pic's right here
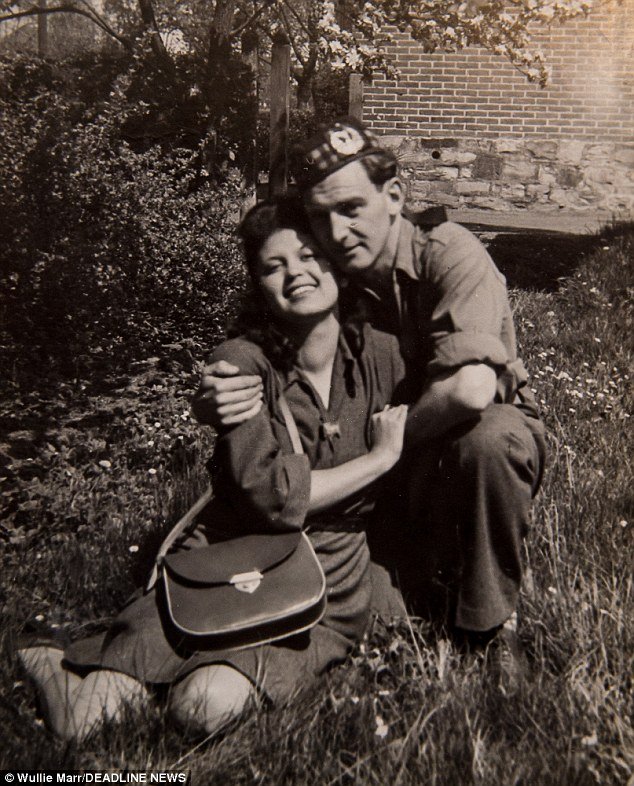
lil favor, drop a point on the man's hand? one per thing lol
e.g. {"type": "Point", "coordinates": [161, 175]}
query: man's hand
{"type": "Point", "coordinates": [225, 397]}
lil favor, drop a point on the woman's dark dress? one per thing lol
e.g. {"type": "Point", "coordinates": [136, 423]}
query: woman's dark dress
{"type": "Point", "coordinates": [256, 473]}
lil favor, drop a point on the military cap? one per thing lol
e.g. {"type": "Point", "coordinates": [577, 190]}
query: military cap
{"type": "Point", "coordinates": [334, 146]}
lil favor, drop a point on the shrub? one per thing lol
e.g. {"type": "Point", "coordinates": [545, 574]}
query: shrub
{"type": "Point", "coordinates": [107, 252]}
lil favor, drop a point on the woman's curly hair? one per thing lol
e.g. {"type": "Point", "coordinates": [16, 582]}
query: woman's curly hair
{"type": "Point", "coordinates": [255, 320]}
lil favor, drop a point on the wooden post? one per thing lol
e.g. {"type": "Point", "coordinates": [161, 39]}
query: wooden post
{"type": "Point", "coordinates": [280, 98]}
{"type": "Point", "coordinates": [355, 96]}
{"type": "Point", "coordinates": [250, 56]}
{"type": "Point", "coordinates": [42, 30]}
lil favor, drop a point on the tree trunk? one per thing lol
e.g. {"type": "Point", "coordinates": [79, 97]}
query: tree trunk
{"type": "Point", "coordinates": [219, 32]}
{"type": "Point", "coordinates": [305, 80]}
{"type": "Point", "coordinates": [215, 87]}
{"type": "Point", "coordinates": [158, 47]}
{"type": "Point", "coordinates": [304, 91]}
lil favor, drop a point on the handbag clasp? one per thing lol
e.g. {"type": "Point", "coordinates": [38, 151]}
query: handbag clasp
{"type": "Point", "coordinates": [246, 582]}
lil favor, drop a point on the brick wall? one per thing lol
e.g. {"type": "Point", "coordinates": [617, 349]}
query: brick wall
{"type": "Point", "coordinates": [569, 145]}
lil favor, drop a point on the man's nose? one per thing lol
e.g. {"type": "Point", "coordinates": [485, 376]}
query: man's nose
{"type": "Point", "coordinates": [339, 227]}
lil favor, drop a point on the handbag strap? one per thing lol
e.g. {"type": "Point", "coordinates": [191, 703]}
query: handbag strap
{"type": "Point", "coordinates": [291, 426]}
{"type": "Point", "coordinates": [198, 506]}
{"type": "Point", "coordinates": [176, 531]}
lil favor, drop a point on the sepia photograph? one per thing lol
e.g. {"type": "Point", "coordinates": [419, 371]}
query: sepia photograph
{"type": "Point", "coordinates": [316, 349]}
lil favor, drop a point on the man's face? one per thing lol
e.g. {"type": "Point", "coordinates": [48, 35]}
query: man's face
{"type": "Point", "coordinates": [352, 218]}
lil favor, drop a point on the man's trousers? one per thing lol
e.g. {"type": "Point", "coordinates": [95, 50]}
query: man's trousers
{"type": "Point", "coordinates": [453, 521]}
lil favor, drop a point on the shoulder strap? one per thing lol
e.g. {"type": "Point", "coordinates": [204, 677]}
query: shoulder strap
{"type": "Point", "coordinates": [291, 426]}
{"type": "Point", "coordinates": [427, 219]}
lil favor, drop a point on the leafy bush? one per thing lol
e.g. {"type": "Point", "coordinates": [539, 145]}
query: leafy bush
{"type": "Point", "coordinates": [107, 251]}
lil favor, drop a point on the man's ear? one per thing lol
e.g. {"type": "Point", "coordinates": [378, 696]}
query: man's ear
{"type": "Point", "coordinates": [395, 194]}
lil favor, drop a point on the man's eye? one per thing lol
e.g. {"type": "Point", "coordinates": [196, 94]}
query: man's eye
{"type": "Point", "coordinates": [307, 256]}
{"type": "Point", "coordinates": [350, 210]}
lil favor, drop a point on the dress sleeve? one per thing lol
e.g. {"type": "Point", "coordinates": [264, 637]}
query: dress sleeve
{"type": "Point", "coordinates": [469, 301]}
{"type": "Point", "coordinates": [253, 467]}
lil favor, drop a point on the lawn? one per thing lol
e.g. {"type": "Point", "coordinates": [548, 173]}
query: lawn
{"type": "Point", "coordinates": [94, 473]}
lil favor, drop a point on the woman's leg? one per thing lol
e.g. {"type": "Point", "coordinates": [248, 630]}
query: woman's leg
{"type": "Point", "coordinates": [73, 706]}
{"type": "Point", "coordinates": [210, 697]}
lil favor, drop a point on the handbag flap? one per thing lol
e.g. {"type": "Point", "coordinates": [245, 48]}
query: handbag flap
{"type": "Point", "coordinates": [219, 562]}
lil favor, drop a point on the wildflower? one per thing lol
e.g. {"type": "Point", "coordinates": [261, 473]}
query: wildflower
{"type": "Point", "coordinates": [552, 590]}
{"type": "Point", "coordinates": [598, 340]}
{"type": "Point", "coordinates": [152, 471]}
{"type": "Point", "coordinates": [39, 618]}
{"type": "Point", "coordinates": [590, 740]}
{"type": "Point", "coordinates": [157, 425]}
{"type": "Point", "coordinates": [133, 549]}
{"type": "Point", "coordinates": [382, 728]}
{"type": "Point", "coordinates": [150, 443]}
{"type": "Point", "coordinates": [623, 523]}
{"type": "Point", "coordinates": [105, 464]}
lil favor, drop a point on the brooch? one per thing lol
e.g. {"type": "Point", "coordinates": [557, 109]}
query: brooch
{"type": "Point", "coordinates": [329, 430]}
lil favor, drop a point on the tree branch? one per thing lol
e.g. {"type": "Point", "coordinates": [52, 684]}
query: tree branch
{"type": "Point", "coordinates": [68, 9]}
{"type": "Point", "coordinates": [249, 21]}
{"type": "Point", "coordinates": [101, 22]}
{"type": "Point", "coordinates": [299, 20]}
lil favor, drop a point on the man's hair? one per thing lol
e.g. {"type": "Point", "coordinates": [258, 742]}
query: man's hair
{"type": "Point", "coordinates": [380, 166]}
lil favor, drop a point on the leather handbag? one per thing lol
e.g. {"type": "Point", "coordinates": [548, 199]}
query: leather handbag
{"type": "Point", "coordinates": [242, 591]}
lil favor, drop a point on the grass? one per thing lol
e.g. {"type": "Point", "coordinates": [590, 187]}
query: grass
{"type": "Point", "coordinates": [85, 512]}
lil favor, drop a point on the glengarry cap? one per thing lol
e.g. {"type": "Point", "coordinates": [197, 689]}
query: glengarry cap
{"type": "Point", "coordinates": [334, 146]}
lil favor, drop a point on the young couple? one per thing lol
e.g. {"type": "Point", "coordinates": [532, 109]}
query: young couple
{"type": "Point", "coordinates": [457, 505]}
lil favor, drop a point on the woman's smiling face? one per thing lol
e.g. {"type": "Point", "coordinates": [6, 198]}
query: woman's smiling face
{"type": "Point", "coordinates": [295, 279]}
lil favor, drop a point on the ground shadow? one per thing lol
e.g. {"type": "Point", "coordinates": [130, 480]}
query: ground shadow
{"type": "Point", "coordinates": [533, 258]}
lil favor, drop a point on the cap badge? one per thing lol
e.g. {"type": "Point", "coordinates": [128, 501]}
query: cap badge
{"type": "Point", "coordinates": [346, 141]}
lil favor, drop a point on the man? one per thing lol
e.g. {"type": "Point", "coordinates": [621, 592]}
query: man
{"type": "Point", "coordinates": [475, 443]}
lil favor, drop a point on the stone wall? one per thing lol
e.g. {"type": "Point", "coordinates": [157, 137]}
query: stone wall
{"type": "Point", "coordinates": [509, 173]}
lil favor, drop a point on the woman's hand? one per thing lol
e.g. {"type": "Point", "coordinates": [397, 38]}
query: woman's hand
{"type": "Point", "coordinates": [329, 486]}
{"type": "Point", "coordinates": [388, 429]}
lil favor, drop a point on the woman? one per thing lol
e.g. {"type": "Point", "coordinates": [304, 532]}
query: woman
{"type": "Point", "coordinates": [338, 382]}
